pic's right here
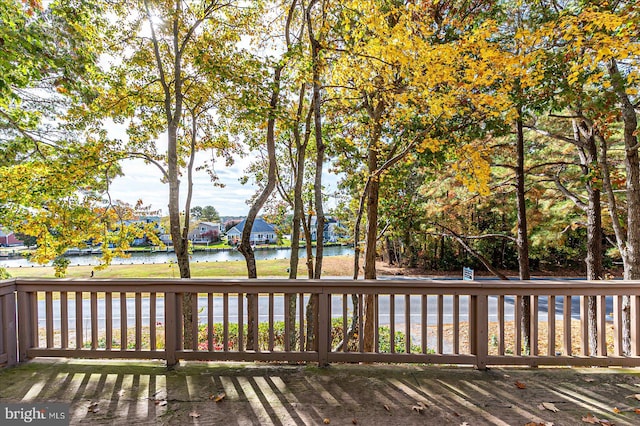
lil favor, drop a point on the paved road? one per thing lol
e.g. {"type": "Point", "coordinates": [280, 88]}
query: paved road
{"type": "Point", "coordinates": [336, 305]}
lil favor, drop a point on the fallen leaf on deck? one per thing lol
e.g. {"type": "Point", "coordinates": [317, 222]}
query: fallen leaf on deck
{"type": "Point", "coordinates": [616, 410]}
{"type": "Point", "coordinates": [326, 421]}
{"type": "Point", "coordinates": [591, 419]}
{"type": "Point", "coordinates": [194, 414]}
{"type": "Point", "coordinates": [635, 395]}
{"type": "Point", "coordinates": [549, 406]}
{"type": "Point", "coordinates": [354, 421]}
{"type": "Point", "coordinates": [464, 424]}
{"type": "Point", "coordinates": [93, 407]}
{"type": "Point", "coordinates": [520, 385]}
{"type": "Point", "coordinates": [218, 397]}
{"type": "Point", "coordinates": [386, 407]}
{"type": "Point", "coordinates": [637, 410]}
{"type": "Point", "coordinates": [419, 407]}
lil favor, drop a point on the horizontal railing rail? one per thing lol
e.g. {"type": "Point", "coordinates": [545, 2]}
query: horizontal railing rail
{"type": "Point", "coordinates": [419, 321]}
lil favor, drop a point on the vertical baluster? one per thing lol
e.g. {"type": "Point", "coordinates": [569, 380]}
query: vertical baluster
{"type": "Point", "coordinates": [49, 318]}
{"type": "Point", "coordinates": [473, 325]}
{"type": "Point", "coordinates": [425, 323]}
{"type": "Point", "coordinates": [301, 343]}
{"type": "Point", "coordinates": [179, 329]}
{"type": "Point", "coordinates": [287, 327]}
{"type": "Point", "coordinates": [240, 322]}
{"type": "Point", "coordinates": [194, 321]}
{"type": "Point", "coordinates": [210, 321]}
{"type": "Point", "coordinates": [407, 323]}
{"type": "Point", "coordinates": [567, 326]}
{"type": "Point", "coordinates": [329, 299]}
{"type": "Point", "coordinates": [534, 325]}
{"type": "Point", "coordinates": [33, 300]}
{"type": "Point", "coordinates": [440, 324]}
{"type": "Point", "coordinates": [635, 325]}
{"type": "Point", "coordinates": [123, 321]}
{"type": "Point", "coordinates": [617, 325]}
{"type": "Point", "coordinates": [79, 337]}
{"type": "Point", "coordinates": [392, 322]}
{"type": "Point", "coordinates": [108, 314]}
{"type": "Point", "coordinates": [376, 324]}
{"type": "Point", "coordinates": [94, 320]}
{"type": "Point", "coordinates": [225, 321]}
{"type": "Point", "coordinates": [171, 323]}
{"type": "Point", "coordinates": [344, 324]}
{"type": "Point", "coordinates": [517, 324]}
{"type": "Point", "coordinates": [360, 323]}
{"type": "Point", "coordinates": [584, 325]}
{"type": "Point", "coordinates": [501, 325]}
{"type": "Point", "coordinates": [152, 321]}
{"type": "Point", "coordinates": [64, 320]}
{"type": "Point", "coordinates": [456, 324]}
{"type": "Point", "coordinates": [256, 312]}
{"type": "Point", "coordinates": [271, 332]}
{"type": "Point", "coordinates": [602, 325]}
{"type": "Point", "coordinates": [551, 321]}
{"type": "Point", "coordinates": [138, 308]}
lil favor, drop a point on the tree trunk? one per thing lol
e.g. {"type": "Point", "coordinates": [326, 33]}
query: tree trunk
{"type": "Point", "coordinates": [245, 244]}
{"type": "Point", "coordinates": [312, 305]}
{"type": "Point", "coordinates": [522, 239]}
{"type": "Point", "coordinates": [631, 256]}
{"type": "Point", "coordinates": [298, 211]}
{"type": "Point", "coordinates": [371, 239]}
{"type": "Point", "coordinates": [593, 260]}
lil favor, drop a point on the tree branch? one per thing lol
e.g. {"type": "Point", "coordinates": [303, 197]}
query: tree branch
{"type": "Point", "coordinates": [474, 253]}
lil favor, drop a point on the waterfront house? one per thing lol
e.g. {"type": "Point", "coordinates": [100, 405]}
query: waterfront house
{"type": "Point", "coordinates": [8, 238]}
{"type": "Point", "coordinates": [261, 233]}
{"type": "Point", "coordinates": [205, 232]}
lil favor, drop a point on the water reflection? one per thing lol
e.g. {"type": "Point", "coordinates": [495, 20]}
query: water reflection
{"type": "Point", "coordinates": [199, 256]}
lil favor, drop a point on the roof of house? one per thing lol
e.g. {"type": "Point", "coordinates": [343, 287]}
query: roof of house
{"type": "Point", "coordinates": [327, 220]}
{"type": "Point", "coordinates": [211, 224]}
{"type": "Point", "coordinates": [258, 226]}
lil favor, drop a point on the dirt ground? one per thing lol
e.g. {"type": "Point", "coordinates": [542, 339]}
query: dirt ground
{"type": "Point", "coordinates": [147, 393]}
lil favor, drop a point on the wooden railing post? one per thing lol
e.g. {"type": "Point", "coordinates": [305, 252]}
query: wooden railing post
{"type": "Point", "coordinates": [25, 325]}
{"type": "Point", "coordinates": [323, 337]}
{"type": "Point", "coordinates": [635, 325]}
{"type": "Point", "coordinates": [170, 324]}
{"type": "Point", "coordinates": [479, 317]}
{"type": "Point", "coordinates": [10, 330]}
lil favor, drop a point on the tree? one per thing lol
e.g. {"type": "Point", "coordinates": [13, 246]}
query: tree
{"type": "Point", "coordinates": [196, 212]}
{"type": "Point", "coordinates": [52, 165]}
{"type": "Point", "coordinates": [210, 214]}
{"type": "Point", "coordinates": [177, 68]}
{"type": "Point", "coordinates": [395, 106]}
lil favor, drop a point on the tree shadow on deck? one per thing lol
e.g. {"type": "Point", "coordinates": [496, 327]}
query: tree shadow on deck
{"type": "Point", "coordinates": [110, 392]}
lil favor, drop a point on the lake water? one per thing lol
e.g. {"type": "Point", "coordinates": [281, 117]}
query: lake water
{"type": "Point", "coordinates": [164, 257]}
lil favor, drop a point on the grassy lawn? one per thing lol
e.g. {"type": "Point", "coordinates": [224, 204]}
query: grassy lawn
{"type": "Point", "coordinates": [332, 266]}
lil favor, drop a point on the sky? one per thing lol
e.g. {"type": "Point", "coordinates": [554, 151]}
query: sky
{"type": "Point", "coordinates": [142, 182]}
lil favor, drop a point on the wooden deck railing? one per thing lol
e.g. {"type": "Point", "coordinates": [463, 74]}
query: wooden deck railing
{"type": "Point", "coordinates": [418, 321]}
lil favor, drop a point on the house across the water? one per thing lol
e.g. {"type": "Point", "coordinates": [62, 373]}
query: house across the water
{"type": "Point", "coordinates": [261, 233]}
